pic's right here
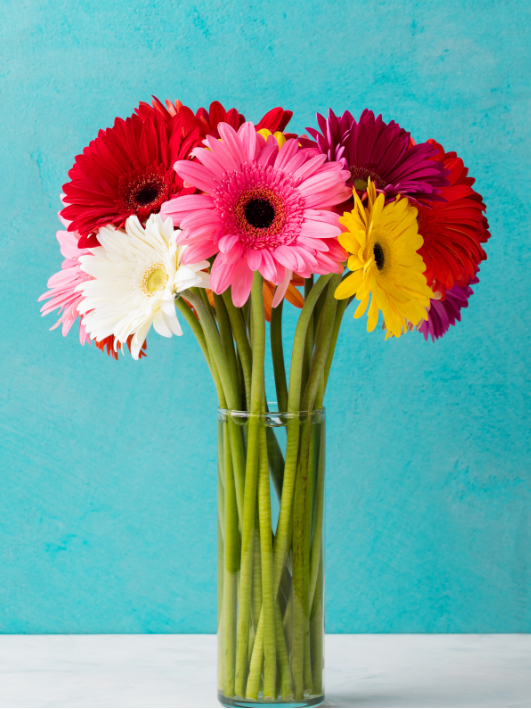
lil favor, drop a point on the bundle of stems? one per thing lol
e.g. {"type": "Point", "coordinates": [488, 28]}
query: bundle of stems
{"type": "Point", "coordinates": [270, 581]}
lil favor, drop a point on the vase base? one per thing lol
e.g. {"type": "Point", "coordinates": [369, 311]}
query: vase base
{"type": "Point", "coordinates": [249, 703]}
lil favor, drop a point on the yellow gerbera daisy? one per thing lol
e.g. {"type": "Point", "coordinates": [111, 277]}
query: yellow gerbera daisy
{"type": "Point", "coordinates": [383, 240]}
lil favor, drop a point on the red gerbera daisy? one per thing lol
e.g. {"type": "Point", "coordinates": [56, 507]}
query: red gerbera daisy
{"type": "Point", "coordinates": [127, 170]}
{"type": "Point", "coordinates": [207, 121]}
{"type": "Point", "coordinates": [453, 229]}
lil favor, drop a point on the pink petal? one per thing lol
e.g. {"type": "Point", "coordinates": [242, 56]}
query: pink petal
{"type": "Point", "coordinates": [247, 135]}
{"type": "Point", "coordinates": [322, 215]}
{"type": "Point", "coordinates": [227, 242]}
{"type": "Point", "coordinates": [209, 160]}
{"type": "Point", "coordinates": [198, 252]}
{"type": "Point", "coordinates": [319, 230]}
{"type": "Point", "coordinates": [268, 155]}
{"type": "Point", "coordinates": [288, 150]}
{"type": "Point", "coordinates": [230, 137]}
{"type": "Point", "coordinates": [269, 267]}
{"type": "Point", "coordinates": [309, 168]}
{"type": "Point", "coordinates": [321, 182]}
{"type": "Point", "coordinates": [234, 254]}
{"type": "Point", "coordinates": [241, 283]}
{"type": "Point", "coordinates": [221, 275]}
{"type": "Point", "coordinates": [317, 244]}
{"type": "Point", "coordinates": [282, 288]}
{"type": "Point", "coordinates": [222, 153]}
{"type": "Point", "coordinates": [254, 259]}
{"type": "Point", "coordinates": [196, 174]}
{"type": "Point", "coordinates": [286, 257]}
{"type": "Point", "coordinates": [200, 218]}
{"type": "Point", "coordinates": [187, 203]}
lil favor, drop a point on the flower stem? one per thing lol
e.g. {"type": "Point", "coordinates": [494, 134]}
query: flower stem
{"type": "Point", "coordinates": [230, 574]}
{"type": "Point", "coordinates": [317, 633]}
{"type": "Point", "coordinates": [292, 448]}
{"type": "Point", "coordinates": [322, 347]}
{"type": "Point", "coordinates": [251, 479]}
{"type": "Point", "coordinates": [242, 342]}
{"type": "Point", "coordinates": [227, 339]}
{"type": "Point", "coordinates": [268, 602]}
{"type": "Point", "coordinates": [277, 352]}
{"type": "Point", "coordinates": [231, 396]}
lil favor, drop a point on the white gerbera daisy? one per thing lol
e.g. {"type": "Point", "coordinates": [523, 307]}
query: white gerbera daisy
{"type": "Point", "coordinates": [135, 276]}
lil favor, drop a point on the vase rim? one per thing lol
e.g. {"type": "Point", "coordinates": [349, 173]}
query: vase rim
{"type": "Point", "coordinates": [272, 410]}
{"type": "Point", "coordinates": [271, 418]}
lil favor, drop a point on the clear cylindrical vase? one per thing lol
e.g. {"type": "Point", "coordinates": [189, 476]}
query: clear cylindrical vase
{"type": "Point", "coordinates": [271, 468]}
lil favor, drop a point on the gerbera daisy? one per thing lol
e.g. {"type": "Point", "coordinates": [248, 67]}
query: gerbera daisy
{"type": "Point", "coordinates": [127, 170]}
{"type": "Point", "coordinates": [63, 294]}
{"type": "Point", "coordinates": [266, 208]}
{"type": "Point", "coordinates": [207, 121]}
{"type": "Point", "coordinates": [136, 274]}
{"type": "Point", "coordinates": [370, 148]}
{"type": "Point", "coordinates": [383, 240]}
{"type": "Point", "coordinates": [454, 229]}
{"type": "Point", "coordinates": [443, 313]}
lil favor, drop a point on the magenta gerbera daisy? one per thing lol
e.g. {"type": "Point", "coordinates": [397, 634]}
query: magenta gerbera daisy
{"type": "Point", "coordinates": [127, 170]}
{"type": "Point", "coordinates": [384, 152]}
{"type": "Point", "coordinates": [443, 313]}
{"type": "Point", "coordinates": [266, 208]}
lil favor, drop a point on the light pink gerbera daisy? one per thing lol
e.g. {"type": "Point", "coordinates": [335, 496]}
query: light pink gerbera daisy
{"type": "Point", "coordinates": [64, 283]}
{"type": "Point", "coordinates": [266, 208]}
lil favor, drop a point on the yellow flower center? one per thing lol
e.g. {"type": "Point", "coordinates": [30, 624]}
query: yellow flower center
{"type": "Point", "coordinates": [154, 279]}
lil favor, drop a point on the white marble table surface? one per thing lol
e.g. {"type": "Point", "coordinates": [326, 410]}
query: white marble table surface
{"type": "Point", "coordinates": [179, 671]}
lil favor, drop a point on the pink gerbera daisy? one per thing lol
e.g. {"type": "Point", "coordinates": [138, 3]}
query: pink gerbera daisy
{"type": "Point", "coordinates": [266, 208]}
{"type": "Point", "coordinates": [64, 283]}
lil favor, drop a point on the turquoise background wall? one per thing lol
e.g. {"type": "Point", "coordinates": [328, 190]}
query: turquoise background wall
{"type": "Point", "coordinates": [107, 489]}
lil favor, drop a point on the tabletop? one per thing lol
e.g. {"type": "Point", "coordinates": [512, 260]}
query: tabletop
{"type": "Point", "coordinates": [180, 671]}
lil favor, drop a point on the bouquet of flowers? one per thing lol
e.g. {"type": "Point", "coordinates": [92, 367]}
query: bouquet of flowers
{"type": "Point", "coordinates": [220, 220]}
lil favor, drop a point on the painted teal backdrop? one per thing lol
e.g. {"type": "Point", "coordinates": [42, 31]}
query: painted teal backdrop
{"type": "Point", "coordinates": [107, 494]}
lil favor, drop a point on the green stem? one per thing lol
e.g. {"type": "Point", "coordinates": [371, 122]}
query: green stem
{"type": "Point", "coordinates": [284, 527]}
{"type": "Point", "coordinates": [308, 345]}
{"type": "Point", "coordinates": [230, 574]}
{"type": "Point", "coordinates": [317, 634]}
{"type": "Point", "coordinates": [316, 552]}
{"type": "Point", "coordinates": [277, 352]}
{"type": "Point", "coordinates": [302, 503]}
{"type": "Point", "coordinates": [251, 479]}
{"type": "Point", "coordinates": [231, 396]}
{"type": "Point", "coordinates": [292, 448]}
{"type": "Point", "coordinates": [214, 342]}
{"type": "Point", "coordinates": [226, 339]}
{"type": "Point", "coordinates": [322, 347]}
{"type": "Point", "coordinates": [268, 600]}
{"type": "Point", "coordinates": [242, 342]}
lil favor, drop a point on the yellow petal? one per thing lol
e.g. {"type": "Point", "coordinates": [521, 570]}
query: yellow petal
{"type": "Point", "coordinates": [349, 286]}
{"type": "Point", "coordinates": [372, 319]}
{"type": "Point", "coordinates": [362, 307]}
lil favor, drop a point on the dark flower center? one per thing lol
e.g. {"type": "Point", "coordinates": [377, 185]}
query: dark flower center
{"type": "Point", "coordinates": [142, 191]}
{"type": "Point", "coordinates": [147, 194]}
{"type": "Point", "coordinates": [379, 256]}
{"type": "Point", "coordinates": [360, 178]}
{"type": "Point", "coordinates": [260, 213]}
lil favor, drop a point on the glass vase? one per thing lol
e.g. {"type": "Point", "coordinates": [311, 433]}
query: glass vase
{"type": "Point", "coordinates": [271, 469]}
